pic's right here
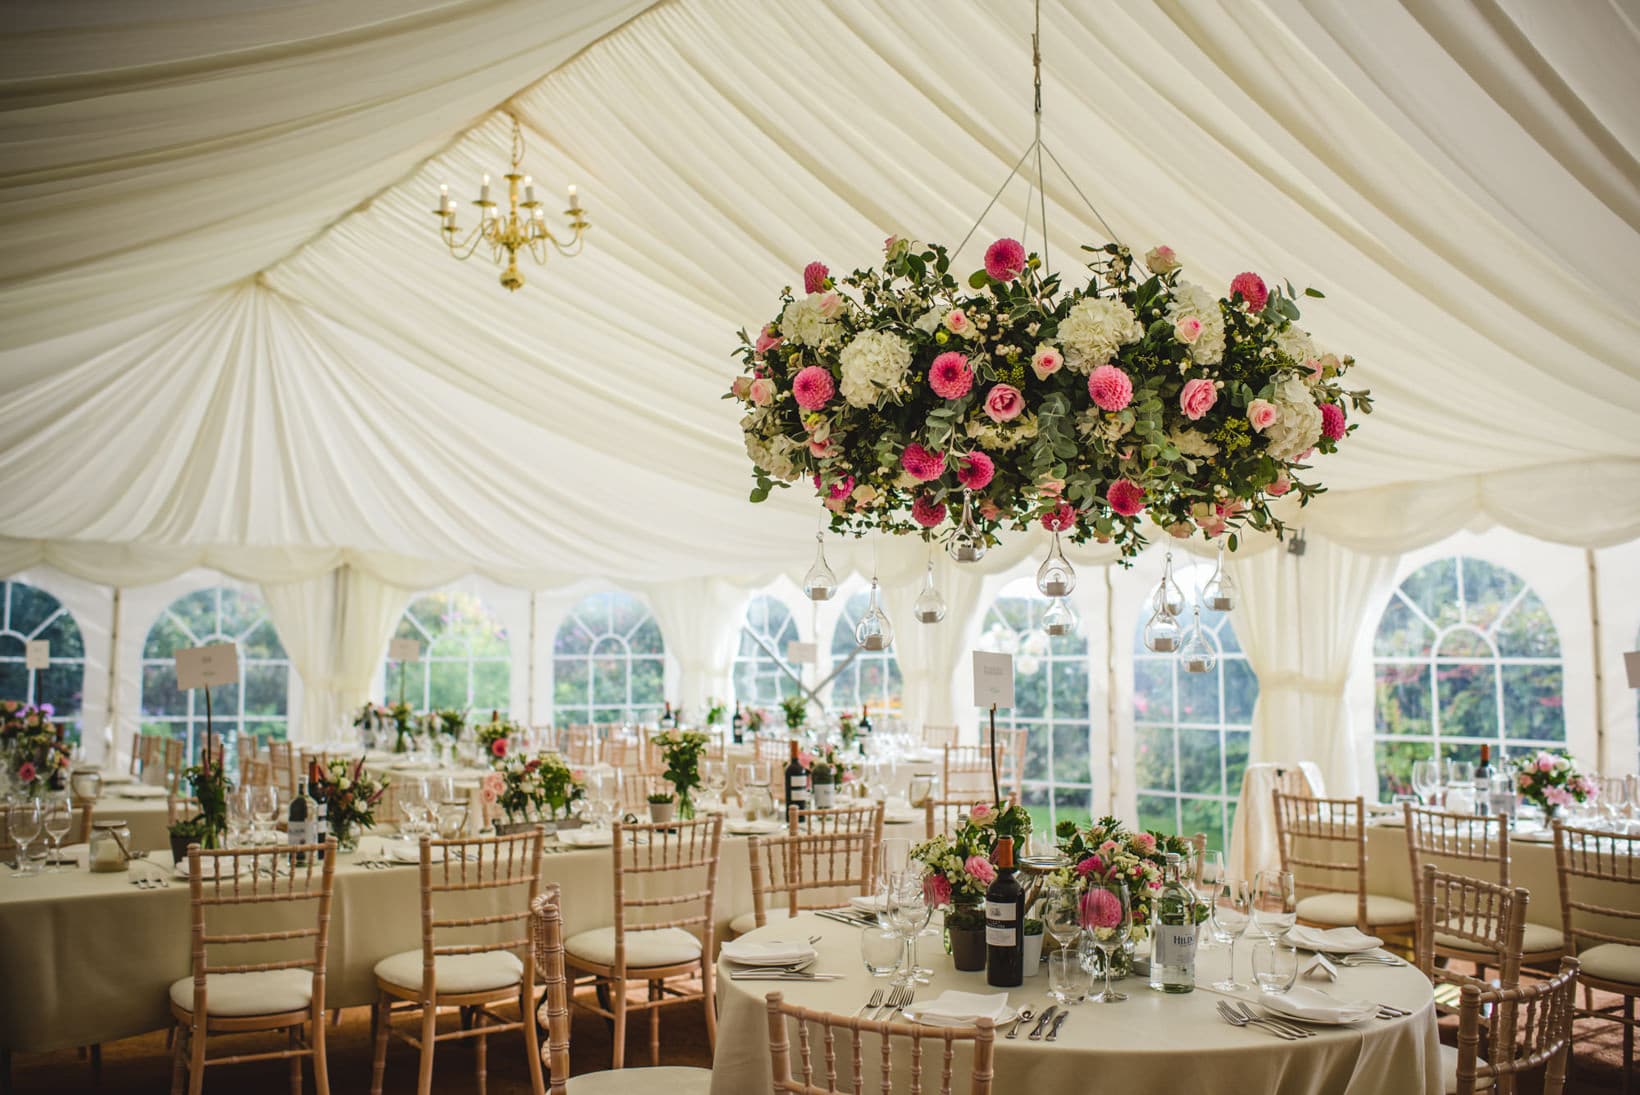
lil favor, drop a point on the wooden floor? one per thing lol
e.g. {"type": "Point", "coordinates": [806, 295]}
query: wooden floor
{"type": "Point", "coordinates": [142, 1065]}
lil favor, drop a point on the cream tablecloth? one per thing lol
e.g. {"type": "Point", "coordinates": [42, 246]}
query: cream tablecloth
{"type": "Point", "coordinates": [1151, 1043]}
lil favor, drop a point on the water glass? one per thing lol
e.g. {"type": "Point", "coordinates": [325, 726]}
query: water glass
{"type": "Point", "coordinates": [265, 809]}
{"type": "Point", "coordinates": [1426, 778]}
{"type": "Point", "coordinates": [1274, 902]}
{"type": "Point", "coordinates": [1275, 965]}
{"type": "Point", "coordinates": [880, 949]}
{"type": "Point", "coordinates": [1068, 979]}
{"type": "Point", "coordinates": [59, 817]}
{"type": "Point", "coordinates": [1233, 913]}
{"type": "Point", "coordinates": [1205, 885]}
{"type": "Point", "coordinates": [908, 914]}
{"type": "Point", "coordinates": [1061, 918]}
{"type": "Point", "coordinates": [25, 820]}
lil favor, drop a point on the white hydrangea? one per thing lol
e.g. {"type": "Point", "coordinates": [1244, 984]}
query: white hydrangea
{"type": "Point", "coordinates": [1192, 442]}
{"type": "Point", "coordinates": [808, 321]}
{"type": "Point", "coordinates": [1094, 330]}
{"type": "Point", "coordinates": [929, 321]}
{"type": "Point", "coordinates": [1194, 301]}
{"type": "Point", "coordinates": [1299, 426]}
{"type": "Point", "coordinates": [772, 455]}
{"type": "Point", "coordinates": [874, 364]}
{"type": "Point", "coordinates": [1296, 344]}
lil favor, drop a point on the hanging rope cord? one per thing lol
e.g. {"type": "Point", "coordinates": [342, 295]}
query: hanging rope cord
{"type": "Point", "coordinates": [1038, 187]}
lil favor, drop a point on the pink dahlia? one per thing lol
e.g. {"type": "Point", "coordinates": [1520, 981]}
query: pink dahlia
{"type": "Point", "coordinates": [1110, 388]}
{"type": "Point", "coordinates": [767, 340]}
{"type": "Point", "coordinates": [950, 376]}
{"type": "Point", "coordinates": [1126, 497]}
{"type": "Point", "coordinates": [814, 277]}
{"type": "Point", "coordinates": [813, 388]}
{"type": "Point", "coordinates": [1101, 909]}
{"type": "Point", "coordinates": [838, 488]}
{"type": "Point", "coordinates": [937, 890]}
{"type": "Point", "coordinates": [980, 869]}
{"type": "Point", "coordinates": [1197, 397]}
{"type": "Point", "coordinates": [1060, 519]}
{"type": "Point", "coordinates": [1091, 865]}
{"type": "Point", "coordinates": [975, 471]}
{"type": "Point", "coordinates": [1005, 259]}
{"type": "Point", "coordinates": [1332, 421]}
{"type": "Point", "coordinates": [922, 464]}
{"type": "Point", "coordinates": [927, 512]}
{"type": "Point", "coordinates": [1252, 290]}
{"type": "Point", "coordinates": [1004, 403]}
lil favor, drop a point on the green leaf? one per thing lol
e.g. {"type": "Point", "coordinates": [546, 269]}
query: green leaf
{"type": "Point", "coordinates": [979, 279]}
{"type": "Point", "coordinates": [1317, 293]}
{"type": "Point", "coordinates": [760, 494]}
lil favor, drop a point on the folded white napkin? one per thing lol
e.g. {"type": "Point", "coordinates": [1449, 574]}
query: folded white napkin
{"type": "Point", "coordinates": [964, 1007]}
{"type": "Point", "coordinates": [1305, 1002]}
{"type": "Point", "coordinates": [139, 790]}
{"type": "Point", "coordinates": [743, 827]}
{"type": "Point", "coordinates": [765, 952]}
{"type": "Point", "coordinates": [1319, 968]}
{"type": "Point", "coordinates": [1333, 940]}
{"type": "Point", "coordinates": [409, 851]}
{"type": "Point", "coordinates": [586, 838]}
{"type": "Point", "coordinates": [869, 903]}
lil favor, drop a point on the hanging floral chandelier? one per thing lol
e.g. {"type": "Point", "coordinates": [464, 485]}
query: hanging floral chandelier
{"type": "Point", "coordinates": [919, 402]}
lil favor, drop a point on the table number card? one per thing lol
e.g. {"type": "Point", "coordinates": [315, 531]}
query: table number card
{"type": "Point", "coordinates": [37, 654]}
{"type": "Point", "coordinates": [802, 653]}
{"type": "Point", "coordinates": [993, 679]}
{"type": "Point", "coordinates": [204, 666]}
{"type": "Point", "coordinates": [1631, 662]}
{"type": "Point", "coordinates": [404, 650]}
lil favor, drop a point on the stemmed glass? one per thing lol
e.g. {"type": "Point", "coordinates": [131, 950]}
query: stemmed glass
{"type": "Point", "coordinates": [239, 815]}
{"type": "Point", "coordinates": [1208, 881]}
{"type": "Point", "coordinates": [24, 819]}
{"type": "Point", "coordinates": [1273, 903]}
{"type": "Point", "coordinates": [264, 808]}
{"type": "Point", "coordinates": [715, 779]}
{"type": "Point", "coordinates": [908, 914]}
{"type": "Point", "coordinates": [1235, 903]}
{"type": "Point", "coordinates": [1061, 918]}
{"type": "Point", "coordinates": [1426, 777]}
{"type": "Point", "coordinates": [59, 816]}
{"type": "Point", "coordinates": [1105, 917]}
{"type": "Point", "coordinates": [420, 811]}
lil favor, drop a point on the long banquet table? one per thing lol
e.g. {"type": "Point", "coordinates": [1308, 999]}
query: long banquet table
{"type": "Point", "coordinates": [1153, 1042]}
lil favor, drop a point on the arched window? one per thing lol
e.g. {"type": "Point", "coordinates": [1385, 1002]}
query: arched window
{"type": "Point", "coordinates": [1051, 700]}
{"type": "Point", "coordinates": [1465, 653]}
{"type": "Point", "coordinates": [1191, 729]}
{"type": "Point", "coordinates": [761, 679]}
{"type": "Point", "coordinates": [609, 662]}
{"type": "Point", "coordinates": [873, 677]}
{"type": "Point", "coordinates": [259, 704]}
{"type": "Point", "coordinates": [466, 658]}
{"type": "Point", "coordinates": [28, 613]}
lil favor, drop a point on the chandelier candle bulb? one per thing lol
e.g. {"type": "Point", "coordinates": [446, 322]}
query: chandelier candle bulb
{"type": "Point", "coordinates": [529, 190]}
{"type": "Point", "coordinates": [574, 199]}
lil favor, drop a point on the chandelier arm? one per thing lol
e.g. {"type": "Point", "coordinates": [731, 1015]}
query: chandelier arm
{"type": "Point", "coordinates": [465, 249]}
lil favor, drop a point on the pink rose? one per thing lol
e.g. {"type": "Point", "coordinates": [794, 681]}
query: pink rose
{"type": "Point", "coordinates": [989, 510]}
{"type": "Point", "coordinates": [1262, 414]}
{"type": "Point", "coordinates": [1197, 397]}
{"type": "Point", "coordinates": [1004, 403]}
{"type": "Point", "coordinates": [1188, 330]}
{"type": "Point", "coordinates": [975, 471]}
{"type": "Point", "coordinates": [1109, 848]}
{"type": "Point", "coordinates": [767, 340]}
{"type": "Point", "coordinates": [1110, 388]}
{"type": "Point", "coordinates": [1558, 796]}
{"type": "Point", "coordinates": [1145, 841]}
{"type": "Point", "coordinates": [1051, 488]}
{"type": "Point", "coordinates": [489, 794]}
{"type": "Point", "coordinates": [1252, 290]}
{"type": "Point", "coordinates": [1046, 361]}
{"type": "Point", "coordinates": [1005, 259]}
{"type": "Point", "coordinates": [950, 375]}
{"type": "Point", "coordinates": [762, 391]}
{"type": "Point", "coordinates": [492, 781]}
{"type": "Point", "coordinates": [1125, 497]}
{"type": "Point", "coordinates": [1545, 762]}
{"type": "Point", "coordinates": [813, 388]}
{"type": "Point", "coordinates": [814, 277]}
{"type": "Point", "coordinates": [958, 323]}
{"type": "Point", "coordinates": [819, 447]}
{"type": "Point", "coordinates": [927, 512]}
{"type": "Point", "coordinates": [1281, 486]}
{"type": "Point", "coordinates": [980, 869]}
{"type": "Point", "coordinates": [1101, 909]}
{"type": "Point", "coordinates": [830, 304]}
{"type": "Point", "coordinates": [1161, 259]}
{"type": "Point", "coordinates": [742, 387]}
{"type": "Point", "coordinates": [980, 810]}
{"type": "Point", "coordinates": [1091, 865]}
{"type": "Point", "coordinates": [26, 772]}
{"type": "Point", "coordinates": [937, 890]}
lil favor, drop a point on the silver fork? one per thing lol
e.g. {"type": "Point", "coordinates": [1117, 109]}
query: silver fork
{"type": "Point", "coordinates": [892, 1005]}
{"type": "Point", "coordinates": [1292, 1028]}
{"type": "Point", "coordinates": [876, 1001]}
{"type": "Point", "coordinates": [1237, 1019]}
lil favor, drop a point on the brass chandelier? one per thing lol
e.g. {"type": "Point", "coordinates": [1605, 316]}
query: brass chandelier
{"type": "Point", "coordinates": [521, 227]}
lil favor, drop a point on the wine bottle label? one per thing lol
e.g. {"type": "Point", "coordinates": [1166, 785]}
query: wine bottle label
{"type": "Point", "coordinates": [1176, 945]}
{"type": "Point", "coordinates": [1003, 935]}
{"type": "Point", "coordinates": [999, 910]}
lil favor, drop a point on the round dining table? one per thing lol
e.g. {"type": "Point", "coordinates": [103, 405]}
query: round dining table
{"type": "Point", "coordinates": [1151, 1043]}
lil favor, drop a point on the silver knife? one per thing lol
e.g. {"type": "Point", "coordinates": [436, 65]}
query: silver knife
{"type": "Point", "coordinates": [1053, 1032]}
{"type": "Point", "coordinates": [1042, 1023]}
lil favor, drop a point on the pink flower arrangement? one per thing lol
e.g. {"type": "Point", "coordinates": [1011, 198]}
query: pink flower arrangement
{"type": "Point", "coordinates": [1101, 909]}
{"type": "Point", "coordinates": [1551, 781]}
{"type": "Point", "coordinates": [1197, 397]}
{"type": "Point", "coordinates": [1126, 497]}
{"type": "Point", "coordinates": [937, 890]}
{"type": "Point", "coordinates": [1060, 519]}
{"type": "Point", "coordinates": [1046, 361]}
{"type": "Point", "coordinates": [975, 470]}
{"type": "Point", "coordinates": [1332, 422]}
{"type": "Point", "coordinates": [1004, 403]}
{"type": "Point", "coordinates": [1091, 865]}
{"type": "Point", "coordinates": [922, 464]}
{"type": "Point", "coordinates": [927, 512]}
{"type": "Point", "coordinates": [26, 772]}
{"type": "Point", "coordinates": [950, 375]}
{"type": "Point", "coordinates": [1005, 259]}
{"type": "Point", "coordinates": [1262, 414]}
{"type": "Point", "coordinates": [814, 277]}
{"type": "Point", "coordinates": [766, 340]}
{"type": "Point", "coordinates": [813, 388]}
{"type": "Point", "coordinates": [1110, 388]}
{"type": "Point", "coordinates": [1252, 289]}
{"type": "Point", "coordinates": [981, 869]}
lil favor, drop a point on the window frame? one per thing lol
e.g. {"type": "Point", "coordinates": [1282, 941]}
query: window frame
{"type": "Point", "coordinates": [428, 638]}
{"type": "Point", "coordinates": [634, 711]}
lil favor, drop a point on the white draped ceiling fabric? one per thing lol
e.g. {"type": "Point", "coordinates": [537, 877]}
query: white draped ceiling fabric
{"type": "Point", "coordinates": [229, 334]}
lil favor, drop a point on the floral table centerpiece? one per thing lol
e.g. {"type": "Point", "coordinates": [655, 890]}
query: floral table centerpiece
{"type": "Point", "coordinates": [449, 721]}
{"type": "Point", "coordinates": [32, 748]}
{"type": "Point", "coordinates": [211, 788]}
{"type": "Point", "coordinates": [373, 718]}
{"type": "Point", "coordinates": [796, 711]}
{"type": "Point", "coordinates": [493, 737]}
{"type": "Point", "coordinates": [1108, 851]}
{"type": "Point", "coordinates": [1082, 399]}
{"type": "Point", "coordinates": [681, 751]}
{"type": "Point", "coordinates": [829, 771]}
{"type": "Point", "coordinates": [957, 869]}
{"type": "Point", "coordinates": [755, 718]}
{"type": "Point", "coordinates": [1552, 781]}
{"type": "Point", "coordinates": [532, 790]}
{"type": "Point", "coordinates": [350, 793]}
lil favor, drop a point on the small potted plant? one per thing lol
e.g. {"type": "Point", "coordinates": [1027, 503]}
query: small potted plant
{"type": "Point", "coordinates": [661, 807]}
{"type": "Point", "coordinates": [1033, 945]}
{"type": "Point", "coordinates": [823, 777]}
{"type": "Point", "coordinates": [796, 710]}
{"type": "Point", "coordinates": [715, 711]}
{"type": "Point", "coordinates": [188, 830]}
{"type": "Point", "coordinates": [681, 751]}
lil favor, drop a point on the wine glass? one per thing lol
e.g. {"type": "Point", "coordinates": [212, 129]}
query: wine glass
{"type": "Point", "coordinates": [1105, 917]}
{"type": "Point", "coordinates": [59, 816]}
{"type": "Point", "coordinates": [715, 779]}
{"type": "Point", "coordinates": [1274, 900]}
{"type": "Point", "coordinates": [265, 809]}
{"type": "Point", "coordinates": [1061, 918]}
{"type": "Point", "coordinates": [239, 815]}
{"type": "Point", "coordinates": [908, 913]}
{"type": "Point", "coordinates": [419, 811]}
{"type": "Point", "coordinates": [24, 819]}
{"type": "Point", "coordinates": [1426, 776]}
{"type": "Point", "coordinates": [1235, 901]}
{"type": "Point", "coordinates": [1205, 885]}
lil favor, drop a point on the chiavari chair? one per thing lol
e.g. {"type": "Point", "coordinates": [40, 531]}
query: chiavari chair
{"type": "Point", "coordinates": [1337, 886]}
{"type": "Point", "coordinates": [180, 807]}
{"type": "Point", "coordinates": [581, 746]}
{"type": "Point", "coordinates": [968, 767]}
{"type": "Point", "coordinates": [773, 751]}
{"type": "Point", "coordinates": [942, 816]}
{"type": "Point", "coordinates": [813, 1081]}
{"type": "Point", "coordinates": [795, 872]}
{"type": "Point", "coordinates": [1599, 878]}
{"type": "Point", "coordinates": [255, 772]}
{"type": "Point", "coordinates": [283, 760]}
{"type": "Point", "coordinates": [665, 893]}
{"type": "Point", "coordinates": [1540, 1030]}
{"type": "Point", "coordinates": [139, 750]}
{"type": "Point", "coordinates": [938, 737]}
{"type": "Point", "coordinates": [1485, 920]}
